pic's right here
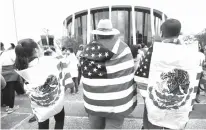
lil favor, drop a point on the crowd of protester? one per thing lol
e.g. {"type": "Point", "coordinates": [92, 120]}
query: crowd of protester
{"type": "Point", "coordinates": [111, 73]}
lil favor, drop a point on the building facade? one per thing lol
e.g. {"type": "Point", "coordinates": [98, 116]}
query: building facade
{"type": "Point", "coordinates": [136, 24]}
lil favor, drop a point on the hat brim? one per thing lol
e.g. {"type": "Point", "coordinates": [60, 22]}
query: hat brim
{"type": "Point", "coordinates": [112, 32]}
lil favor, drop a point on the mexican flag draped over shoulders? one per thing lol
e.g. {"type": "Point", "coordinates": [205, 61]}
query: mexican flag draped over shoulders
{"type": "Point", "coordinates": [168, 77]}
{"type": "Point", "coordinates": [46, 81]}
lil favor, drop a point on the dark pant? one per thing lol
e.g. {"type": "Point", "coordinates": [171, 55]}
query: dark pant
{"type": "Point", "coordinates": [75, 80]}
{"type": "Point", "coordinates": [97, 122]}
{"type": "Point", "coordinates": [19, 88]}
{"type": "Point", "coordinates": [9, 94]}
{"type": "Point", "coordinates": [59, 118]}
{"type": "Point", "coordinates": [147, 124]}
{"type": "Point", "coordinates": [79, 75]}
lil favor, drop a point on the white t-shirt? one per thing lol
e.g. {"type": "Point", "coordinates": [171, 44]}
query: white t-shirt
{"type": "Point", "coordinates": [8, 57]}
{"type": "Point", "coordinates": [73, 64]}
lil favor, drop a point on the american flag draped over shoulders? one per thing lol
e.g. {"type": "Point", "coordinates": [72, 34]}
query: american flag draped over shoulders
{"type": "Point", "coordinates": [167, 78]}
{"type": "Point", "coordinates": [108, 74]}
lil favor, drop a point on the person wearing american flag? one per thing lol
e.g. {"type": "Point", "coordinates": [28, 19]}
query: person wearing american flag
{"type": "Point", "coordinates": [167, 78]}
{"type": "Point", "coordinates": [108, 78]}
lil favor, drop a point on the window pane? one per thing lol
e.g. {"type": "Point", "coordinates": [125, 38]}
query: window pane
{"type": "Point", "coordinates": [139, 27]}
{"type": "Point", "coordinates": [77, 29]}
{"type": "Point", "coordinates": [147, 30]}
{"type": "Point", "coordinates": [95, 17]}
{"type": "Point", "coordinates": [157, 24]}
{"type": "Point", "coordinates": [120, 22]}
{"type": "Point", "coordinates": [69, 30]}
{"type": "Point", "coordinates": [80, 28]}
{"type": "Point", "coordinates": [84, 28]}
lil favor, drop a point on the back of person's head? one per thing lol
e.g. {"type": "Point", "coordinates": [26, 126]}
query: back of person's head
{"type": "Point", "coordinates": [53, 49]}
{"type": "Point", "coordinates": [2, 46]}
{"type": "Point", "coordinates": [202, 50]}
{"type": "Point", "coordinates": [71, 50]}
{"type": "Point", "coordinates": [12, 45]}
{"type": "Point", "coordinates": [143, 45]}
{"type": "Point", "coordinates": [171, 28]}
{"type": "Point", "coordinates": [47, 53]}
{"type": "Point", "coordinates": [25, 51]}
{"type": "Point", "coordinates": [67, 48]}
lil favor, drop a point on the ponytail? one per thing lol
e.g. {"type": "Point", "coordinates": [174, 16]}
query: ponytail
{"type": "Point", "coordinates": [24, 53]}
{"type": "Point", "coordinates": [21, 61]}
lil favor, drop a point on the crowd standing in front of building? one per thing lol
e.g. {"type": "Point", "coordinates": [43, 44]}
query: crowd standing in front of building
{"type": "Point", "coordinates": [108, 68]}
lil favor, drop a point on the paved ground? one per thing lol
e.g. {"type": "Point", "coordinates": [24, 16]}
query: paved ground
{"type": "Point", "coordinates": [76, 117]}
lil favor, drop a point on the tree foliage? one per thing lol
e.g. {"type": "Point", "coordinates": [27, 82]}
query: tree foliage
{"type": "Point", "coordinates": [201, 37]}
{"type": "Point", "coordinates": [71, 42]}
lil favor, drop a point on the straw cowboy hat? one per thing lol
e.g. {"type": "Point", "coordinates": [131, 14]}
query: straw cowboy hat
{"type": "Point", "coordinates": [105, 27]}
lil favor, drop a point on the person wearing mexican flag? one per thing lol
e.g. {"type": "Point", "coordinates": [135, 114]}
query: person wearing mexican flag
{"type": "Point", "coordinates": [46, 79]}
{"type": "Point", "coordinates": [167, 79]}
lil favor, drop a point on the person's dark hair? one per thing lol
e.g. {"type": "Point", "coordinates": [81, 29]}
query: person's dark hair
{"type": "Point", "coordinates": [53, 49]}
{"type": "Point", "coordinates": [171, 28]}
{"type": "Point", "coordinates": [105, 36]}
{"type": "Point", "coordinates": [202, 50]}
{"type": "Point", "coordinates": [47, 53]}
{"type": "Point", "coordinates": [71, 50]}
{"type": "Point", "coordinates": [143, 45]}
{"type": "Point", "coordinates": [24, 53]}
{"type": "Point", "coordinates": [12, 45]}
{"type": "Point", "coordinates": [2, 44]}
{"type": "Point", "coordinates": [68, 48]}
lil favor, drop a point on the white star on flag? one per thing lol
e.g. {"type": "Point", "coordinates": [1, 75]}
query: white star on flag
{"type": "Point", "coordinates": [99, 66]}
{"type": "Point", "coordinates": [93, 48]}
{"type": "Point", "coordinates": [145, 67]}
{"type": "Point", "coordinates": [100, 74]}
{"type": "Point", "coordinates": [106, 54]}
{"type": "Point", "coordinates": [89, 73]}
{"type": "Point", "coordinates": [141, 70]}
{"type": "Point", "coordinates": [92, 62]}
{"type": "Point", "coordinates": [87, 49]}
{"type": "Point", "coordinates": [100, 54]}
{"type": "Point", "coordinates": [146, 59]}
{"type": "Point", "coordinates": [98, 47]}
{"type": "Point", "coordinates": [85, 68]}
{"type": "Point", "coordinates": [95, 70]}
{"type": "Point", "coordinates": [144, 74]}
{"type": "Point", "coordinates": [82, 62]}
{"type": "Point", "coordinates": [92, 55]}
